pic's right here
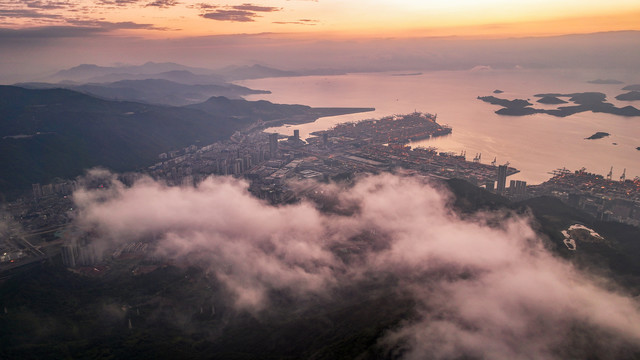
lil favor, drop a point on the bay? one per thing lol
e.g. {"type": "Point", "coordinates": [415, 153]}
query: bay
{"type": "Point", "coordinates": [534, 144]}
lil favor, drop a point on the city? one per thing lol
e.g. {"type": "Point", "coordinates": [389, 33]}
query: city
{"type": "Point", "coordinates": [283, 170]}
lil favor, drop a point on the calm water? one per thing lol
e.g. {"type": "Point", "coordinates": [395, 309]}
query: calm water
{"type": "Point", "coordinates": [535, 144]}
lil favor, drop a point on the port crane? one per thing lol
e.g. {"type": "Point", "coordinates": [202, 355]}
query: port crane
{"type": "Point", "coordinates": [559, 172]}
{"type": "Point", "coordinates": [610, 174]}
{"type": "Point", "coordinates": [623, 177]}
{"type": "Point", "coordinates": [477, 158]}
{"type": "Point", "coordinates": [493, 163]}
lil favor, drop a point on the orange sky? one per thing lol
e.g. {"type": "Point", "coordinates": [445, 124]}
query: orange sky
{"type": "Point", "coordinates": [330, 18]}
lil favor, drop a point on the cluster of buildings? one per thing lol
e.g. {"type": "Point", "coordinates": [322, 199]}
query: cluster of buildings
{"type": "Point", "coordinates": [62, 187]}
{"type": "Point", "coordinates": [392, 129]}
{"type": "Point", "coordinates": [600, 196]}
{"type": "Point", "coordinates": [277, 166]}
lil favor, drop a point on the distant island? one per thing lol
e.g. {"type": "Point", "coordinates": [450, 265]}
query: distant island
{"type": "Point", "coordinates": [635, 87]}
{"type": "Point", "coordinates": [586, 101]}
{"type": "Point", "coordinates": [598, 135]}
{"type": "Point", "coordinates": [517, 103]}
{"type": "Point", "coordinates": [407, 74]}
{"type": "Point", "coordinates": [630, 96]}
{"type": "Point", "coordinates": [497, 91]}
{"type": "Point", "coordinates": [605, 81]}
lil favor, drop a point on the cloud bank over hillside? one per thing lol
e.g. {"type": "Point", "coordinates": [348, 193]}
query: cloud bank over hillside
{"type": "Point", "coordinates": [485, 286]}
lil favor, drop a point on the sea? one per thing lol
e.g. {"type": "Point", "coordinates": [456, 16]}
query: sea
{"type": "Point", "coordinates": [535, 144]}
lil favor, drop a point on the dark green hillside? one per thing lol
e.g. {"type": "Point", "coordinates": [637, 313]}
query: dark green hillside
{"type": "Point", "coordinates": [58, 133]}
{"type": "Point", "coordinates": [182, 313]}
{"type": "Point", "coordinates": [618, 256]}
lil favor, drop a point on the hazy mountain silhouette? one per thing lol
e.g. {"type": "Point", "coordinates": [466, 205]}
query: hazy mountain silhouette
{"type": "Point", "coordinates": [635, 87]}
{"type": "Point", "coordinates": [179, 76]}
{"type": "Point", "coordinates": [605, 81]}
{"type": "Point", "coordinates": [253, 72]}
{"type": "Point", "coordinates": [85, 72]}
{"type": "Point", "coordinates": [153, 91]}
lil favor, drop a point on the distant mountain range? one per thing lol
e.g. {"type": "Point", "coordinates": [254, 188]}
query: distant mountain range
{"type": "Point", "coordinates": [161, 83]}
{"type": "Point", "coordinates": [178, 76]}
{"type": "Point", "coordinates": [86, 72]}
{"type": "Point", "coordinates": [153, 91]}
{"type": "Point", "coordinates": [90, 73]}
{"type": "Point", "coordinates": [253, 72]}
{"type": "Point", "coordinates": [49, 133]}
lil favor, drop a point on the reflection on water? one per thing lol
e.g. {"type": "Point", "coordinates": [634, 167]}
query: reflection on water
{"type": "Point", "coordinates": [535, 144]}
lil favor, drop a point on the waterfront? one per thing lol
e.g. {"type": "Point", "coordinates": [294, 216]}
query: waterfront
{"type": "Point", "coordinates": [535, 144]}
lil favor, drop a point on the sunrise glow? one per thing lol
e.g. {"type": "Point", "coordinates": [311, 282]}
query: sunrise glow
{"type": "Point", "coordinates": [178, 19]}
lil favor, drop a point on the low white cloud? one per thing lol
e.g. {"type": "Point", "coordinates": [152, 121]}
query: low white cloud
{"type": "Point", "coordinates": [481, 291]}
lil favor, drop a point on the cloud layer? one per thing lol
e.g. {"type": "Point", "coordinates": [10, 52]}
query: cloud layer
{"type": "Point", "coordinates": [236, 13]}
{"type": "Point", "coordinates": [482, 291]}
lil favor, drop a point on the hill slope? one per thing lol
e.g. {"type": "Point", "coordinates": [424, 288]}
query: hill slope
{"type": "Point", "coordinates": [58, 133]}
{"type": "Point", "coordinates": [153, 91]}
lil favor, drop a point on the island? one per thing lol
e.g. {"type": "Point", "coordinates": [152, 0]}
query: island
{"type": "Point", "coordinates": [630, 96]}
{"type": "Point", "coordinates": [605, 81]}
{"type": "Point", "coordinates": [497, 91]}
{"type": "Point", "coordinates": [598, 135]}
{"type": "Point", "coordinates": [517, 103]}
{"type": "Point", "coordinates": [635, 87]}
{"type": "Point", "coordinates": [407, 74]}
{"type": "Point", "coordinates": [585, 101]}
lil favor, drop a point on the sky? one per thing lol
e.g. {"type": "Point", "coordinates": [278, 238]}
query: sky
{"type": "Point", "coordinates": [337, 18]}
{"type": "Point", "coordinates": [39, 37]}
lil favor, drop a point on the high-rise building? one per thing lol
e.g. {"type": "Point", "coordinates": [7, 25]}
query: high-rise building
{"type": "Point", "coordinates": [489, 185]}
{"type": "Point", "coordinates": [69, 255]}
{"type": "Point", "coordinates": [521, 188]}
{"type": "Point", "coordinates": [502, 179]}
{"type": "Point", "coordinates": [238, 167]}
{"type": "Point", "coordinates": [296, 134]}
{"type": "Point", "coordinates": [273, 145]}
{"type": "Point", "coordinates": [37, 191]}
